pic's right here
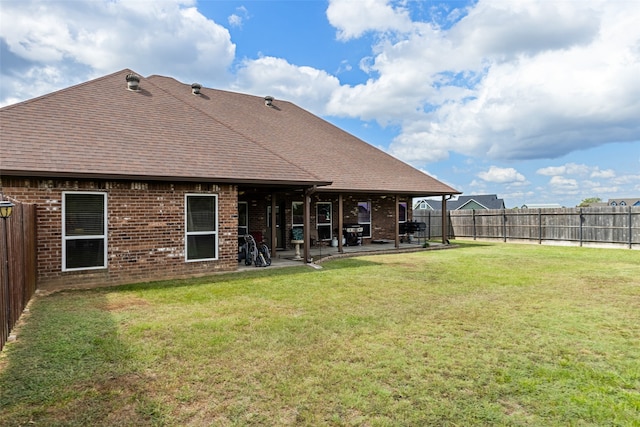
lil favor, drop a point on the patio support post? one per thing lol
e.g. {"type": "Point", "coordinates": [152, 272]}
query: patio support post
{"type": "Point", "coordinates": [307, 222]}
{"type": "Point", "coordinates": [340, 222]}
{"type": "Point", "coordinates": [273, 225]}
{"type": "Point", "coordinates": [444, 220]}
{"type": "Point", "coordinates": [397, 216]}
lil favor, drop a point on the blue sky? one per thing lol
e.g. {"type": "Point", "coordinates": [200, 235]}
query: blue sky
{"type": "Point", "coordinates": [536, 101]}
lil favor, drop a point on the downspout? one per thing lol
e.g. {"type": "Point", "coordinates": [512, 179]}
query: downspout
{"type": "Point", "coordinates": [445, 240]}
{"type": "Point", "coordinates": [397, 227]}
{"type": "Point", "coordinates": [307, 222]}
{"type": "Point", "coordinates": [273, 225]}
{"type": "Point", "coordinates": [340, 222]}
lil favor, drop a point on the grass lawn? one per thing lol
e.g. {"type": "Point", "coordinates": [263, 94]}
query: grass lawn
{"type": "Point", "coordinates": [486, 334]}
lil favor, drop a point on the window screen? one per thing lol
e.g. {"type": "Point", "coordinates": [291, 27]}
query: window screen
{"type": "Point", "coordinates": [202, 227]}
{"type": "Point", "coordinates": [84, 230]}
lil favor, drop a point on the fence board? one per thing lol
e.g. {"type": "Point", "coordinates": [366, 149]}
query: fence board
{"type": "Point", "coordinates": [17, 266]}
{"type": "Point", "coordinates": [606, 225]}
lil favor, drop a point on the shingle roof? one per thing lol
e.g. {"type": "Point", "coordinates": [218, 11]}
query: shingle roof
{"type": "Point", "coordinates": [100, 128]}
{"type": "Point", "coordinates": [488, 201]}
{"type": "Point", "coordinates": [623, 202]}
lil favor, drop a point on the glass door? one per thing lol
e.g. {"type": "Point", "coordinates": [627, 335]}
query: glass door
{"type": "Point", "coordinates": [323, 220]}
{"type": "Point", "coordinates": [280, 226]}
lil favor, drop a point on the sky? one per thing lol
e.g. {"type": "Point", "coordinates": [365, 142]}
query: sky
{"type": "Point", "coordinates": [537, 101]}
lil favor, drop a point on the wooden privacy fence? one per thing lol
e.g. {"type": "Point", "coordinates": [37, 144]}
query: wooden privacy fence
{"type": "Point", "coordinates": [606, 225]}
{"type": "Point", "coordinates": [18, 265]}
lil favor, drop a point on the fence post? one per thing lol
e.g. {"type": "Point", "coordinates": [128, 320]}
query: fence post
{"type": "Point", "coordinates": [429, 218]}
{"type": "Point", "coordinates": [539, 226]}
{"type": "Point", "coordinates": [581, 219]}
{"type": "Point", "coordinates": [473, 211]}
{"type": "Point", "coordinates": [504, 224]}
{"type": "Point", "coordinates": [630, 230]}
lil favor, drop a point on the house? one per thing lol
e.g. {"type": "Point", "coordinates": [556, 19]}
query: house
{"type": "Point", "coordinates": [482, 201]}
{"type": "Point", "coordinates": [624, 202]}
{"type": "Point", "coordinates": [140, 179]}
{"type": "Point", "coordinates": [427, 204]}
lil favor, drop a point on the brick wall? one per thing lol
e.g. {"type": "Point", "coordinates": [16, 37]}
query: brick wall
{"type": "Point", "coordinates": [145, 230]}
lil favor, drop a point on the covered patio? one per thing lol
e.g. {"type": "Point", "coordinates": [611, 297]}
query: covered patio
{"type": "Point", "coordinates": [287, 258]}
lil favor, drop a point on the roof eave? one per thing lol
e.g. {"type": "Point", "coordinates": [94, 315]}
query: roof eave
{"type": "Point", "coordinates": [165, 178]}
{"type": "Point", "coordinates": [413, 193]}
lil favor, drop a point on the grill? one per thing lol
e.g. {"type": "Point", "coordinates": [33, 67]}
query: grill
{"type": "Point", "coordinates": [352, 234]}
{"type": "Point", "coordinates": [412, 227]}
{"type": "Point", "coordinates": [408, 229]}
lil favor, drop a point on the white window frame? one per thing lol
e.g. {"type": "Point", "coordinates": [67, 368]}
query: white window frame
{"type": "Point", "coordinates": [66, 238]}
{"type": "Point", "coordinates": [406, 212]}
{"type": "Point", "coordinates": [324, 224]}
{"type": "Point", "coordinates": [368, 202]}
{"type": "Point", "coordinates": [295, 224]}
{"type": "Point", "coordinates": [246, 219]}
{"type": "Point", "coordinates": [187, 233]}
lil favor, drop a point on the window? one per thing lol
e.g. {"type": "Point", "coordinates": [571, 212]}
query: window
{"type": "Point", "coordinates": [201, 217]}
{"type": "Point", "coordinates": [84, 230]}
{"type": "Point", "coordinates": [243, 219]}
{"type": "Point", "coordinates": [297, 220]}
{"type": "Point", "coordinates": [364, 217]}
{"type": "Point", "coordinates": [402, 212]}
{"type": "Point", "coordinates": [323, 220]}
{"type": "Point", "coordinates": [623, 203]}
{"type": "Point", "coordinates": [297, 214]}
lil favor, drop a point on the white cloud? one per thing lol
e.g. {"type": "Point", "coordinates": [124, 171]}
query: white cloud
{"type": "Point", "coordinates": [526, 79]}
{"type": "Point", "coordinates": [478, 186]}
{"type": "Point", "coordinates": [611, 191]}
{"type": "Point", "coordinates": [237, 19]}
{"type": "Point", "coordinates": [354, 18]}
{"type": "Point", "coordinates": [305, 86]}
{"type": "Point", "coordinates": [70, 42]}
{"type": "Point", "coordinates": [566, 169]}
{"type": "Point", "coordinates": [627, 179]}
{"type": "Point", "coordinates": [599, 173]}
{"type": "Point", "coordinates": [502, 175]}
{"type": "Point", "coordinates": [566, 185]}
{"type": "Point", "coordinates": [510, 80]}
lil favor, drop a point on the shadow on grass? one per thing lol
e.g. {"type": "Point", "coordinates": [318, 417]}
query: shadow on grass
{"type": "Point", "coordinates": [352, 262]}
{"type": "Point", "coordinates": [227, 277]}
{"type": "Point", "coordinates": [69, 367]}
{"type": "Point", "coordinates": [466, 244]}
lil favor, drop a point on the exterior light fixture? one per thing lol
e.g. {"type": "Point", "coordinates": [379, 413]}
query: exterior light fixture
{"type": "Point", "coordinates": [6, 209]}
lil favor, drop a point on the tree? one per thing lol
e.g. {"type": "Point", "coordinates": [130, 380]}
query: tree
{"type": "Point", "coordinates": [588, 201]}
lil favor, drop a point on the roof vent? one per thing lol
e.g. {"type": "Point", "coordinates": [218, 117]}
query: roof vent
{"type": "Point", "coordinates": [133, 81]}
{"type": "Point", "coordinates": [268, 101]}
{"type": "Point", "coordinates": [195, 88]}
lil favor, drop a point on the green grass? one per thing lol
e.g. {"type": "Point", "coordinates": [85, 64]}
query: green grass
{"type": "Point", "coordinates": [486, 334]}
